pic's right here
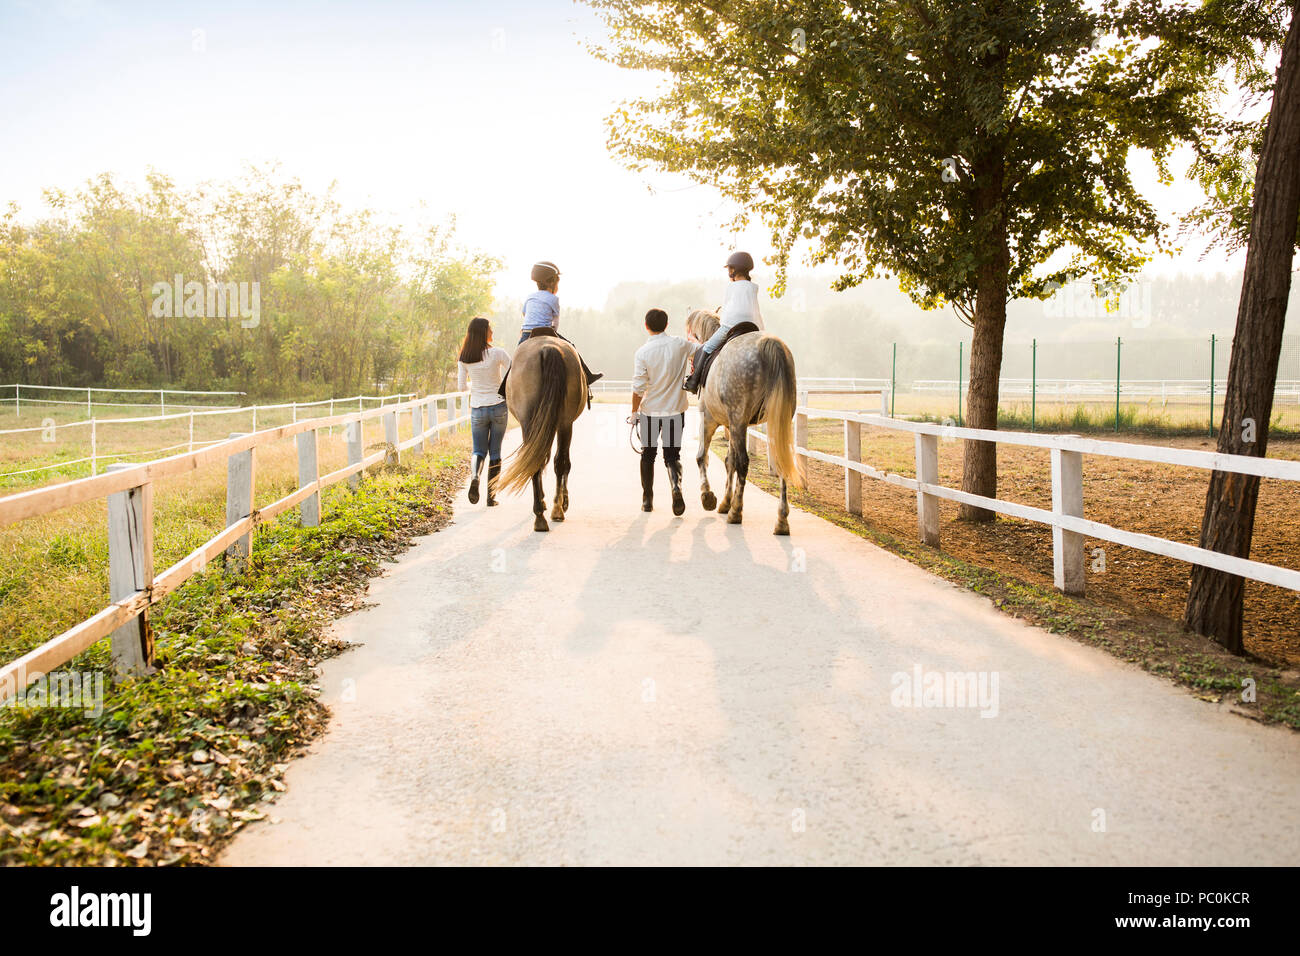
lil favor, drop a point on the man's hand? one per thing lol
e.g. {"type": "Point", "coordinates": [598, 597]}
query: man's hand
{"type": "Point", "coordinates": [631, 419]}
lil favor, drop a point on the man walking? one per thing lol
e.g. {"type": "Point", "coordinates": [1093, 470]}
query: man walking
{"type": "Point", "coordinates": [659, 405]}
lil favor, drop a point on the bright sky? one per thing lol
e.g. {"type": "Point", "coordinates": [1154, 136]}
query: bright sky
{"type": "Point", "coordinates": [488, 109]}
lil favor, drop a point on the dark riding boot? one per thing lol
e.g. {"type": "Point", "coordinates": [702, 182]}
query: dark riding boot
{"type": "Point", "coordinates": [494, 473]}
{"type": "Point", "coordinates": [592, 377]}
{"type": "Point", "coordinates": [674, 466]}
{"type": "Point", "coordinates": [473, 484]}
{"type": "Point", "coordinates": [692, 383]}
{"type": "Point", "coordinates": [647, 482]}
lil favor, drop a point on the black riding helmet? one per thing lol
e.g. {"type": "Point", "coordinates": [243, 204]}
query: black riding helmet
{"type": "Point", "coordinates": [545, 271]}
{"type": "Point", "coordinates": [741, 262]}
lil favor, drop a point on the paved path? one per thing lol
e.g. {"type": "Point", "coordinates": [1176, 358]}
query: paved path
{"type": "Point", "coordinates": [643, 689]}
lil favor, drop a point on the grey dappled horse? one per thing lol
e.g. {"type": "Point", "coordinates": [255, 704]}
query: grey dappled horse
{"type": "Point", "coordinates": [751, 382]}
{"type": "Point", "coordinates": [545, 391]}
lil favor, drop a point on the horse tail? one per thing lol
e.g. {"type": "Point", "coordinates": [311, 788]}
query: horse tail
{"type": "Point", "coordinates": [782, 398]}
{"type": "Point", "coordinates": [539, 431]}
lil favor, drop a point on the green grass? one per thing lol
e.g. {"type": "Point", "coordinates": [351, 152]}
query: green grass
{"type": "Point", "coordinates": [176, 762]}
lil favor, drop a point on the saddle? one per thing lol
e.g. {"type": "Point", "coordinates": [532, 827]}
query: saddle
{"type": "Point", "coordinates": [542, 330]}
{"type": "Point", "coordinates": [703, 360]}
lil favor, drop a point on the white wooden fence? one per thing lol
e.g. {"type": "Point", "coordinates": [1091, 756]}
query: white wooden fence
{"type": "Point", "coordinates": [93, 426]}
{"type": "Point", "coordinates": [133, 585]}
{"type": "Point", "coordinates": [162, 394]}
{"type": "Point", "coordinates": [1066, 517]}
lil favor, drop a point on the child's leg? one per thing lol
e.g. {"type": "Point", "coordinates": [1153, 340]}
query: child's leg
{"type": "Point", "coordinates": [716, 339]}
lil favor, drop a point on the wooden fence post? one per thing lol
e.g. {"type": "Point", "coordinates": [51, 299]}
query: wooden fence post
{"type": "Point", "coordinates": [390, 438]}
{"type": "Point", "coordinates": [434, 420]}
{"type": "Point", "coordinates": [239, 502]}
{"type": "Point", "coordinates": [1067, 499]}
{"type": "Point", "coordinates": [853, 479]}
{"type": "Point", "coordinates": [308, 472]}
{"type": "Point", "coordinates": [352, 436]}
{"type": "Point", "coordinates": [130, 569]}
{"type": "Point", "coordinates": [417, 427]}
{"type": "Point", "coordinates": [927, 471]}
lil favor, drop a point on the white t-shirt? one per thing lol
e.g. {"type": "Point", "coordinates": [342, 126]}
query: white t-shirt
{"type": "Point", "coordinates": [484, 377]}
{"type": "Point", "coordinates": [740, 304]}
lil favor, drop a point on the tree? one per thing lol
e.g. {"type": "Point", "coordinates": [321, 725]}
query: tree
{"type": "Point", "coordinates": [1214, 601]}
{"type": "Point", "coordinates": [345, 302]}
{"type": "Point", "coordinates": [956, 145]}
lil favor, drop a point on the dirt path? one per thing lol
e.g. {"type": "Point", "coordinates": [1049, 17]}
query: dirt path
{"type": "Point", "coordinates": [637, 688]}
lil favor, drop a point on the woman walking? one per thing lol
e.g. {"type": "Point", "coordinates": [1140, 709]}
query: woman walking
{"type": "Point", "coordinates": [483, 367]}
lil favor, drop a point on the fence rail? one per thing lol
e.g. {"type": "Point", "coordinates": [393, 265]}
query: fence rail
{"type": "Point", "coordinates": [133, 586]}
{"type": "Point", "coordinates": [1066, 517]}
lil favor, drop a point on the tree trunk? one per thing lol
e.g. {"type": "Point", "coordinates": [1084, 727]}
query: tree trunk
{"type": "Point", "coordinates": [980, 461]}
{"type": "Point", "coordinates": [1214, 601]}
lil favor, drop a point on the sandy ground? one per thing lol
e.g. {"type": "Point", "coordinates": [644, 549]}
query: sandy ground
{"type": "Point", "coordinates": [636, 688]}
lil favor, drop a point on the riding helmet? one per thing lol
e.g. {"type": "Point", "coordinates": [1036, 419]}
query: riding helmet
{"type": "Point", "coordinates": [545, 271]}
{"type": "Point", "coordinates": [741, 262]}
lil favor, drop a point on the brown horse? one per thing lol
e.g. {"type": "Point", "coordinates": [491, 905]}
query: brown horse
{"type": "Point", "coordinates": [545, 391]}
{"type": "Point", "coordinates": [752, 381]}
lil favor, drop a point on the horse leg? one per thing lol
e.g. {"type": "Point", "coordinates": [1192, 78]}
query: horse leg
{"type": "Point", "coordinates": [725, 504]}
{"type": "Point", "coordinates": [539, 504]}
{"type": "Point", "coordinates": [782, 513]}
{"type": "Point", "coordinates": [739, 469]}
{"type": "Point", "coordinates": [707, 428]}
{"type": "Point", "coordinates": [562, 439]}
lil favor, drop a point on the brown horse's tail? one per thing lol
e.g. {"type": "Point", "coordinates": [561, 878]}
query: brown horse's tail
{"type": "Point", "coordinates": [782, 398]}
{"type": "Point", "coordinates": [539, 431]}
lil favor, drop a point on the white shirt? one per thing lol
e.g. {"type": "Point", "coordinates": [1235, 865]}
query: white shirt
{"type": "Point", "coordinates": [484, 377]}
{"type": "Point", "coordinates": [740, 304]}
{"type": "Point", "coordinates": [660, 369]}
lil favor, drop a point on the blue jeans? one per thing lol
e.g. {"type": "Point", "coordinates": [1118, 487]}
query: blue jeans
{"type": "Point", "coordinates": [717, 338]}
{"type": "Point", "coordinates": [487, 425]}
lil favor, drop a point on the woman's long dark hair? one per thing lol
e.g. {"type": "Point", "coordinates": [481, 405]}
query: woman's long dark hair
{"type": "Point", "coordinates": [476, 341]}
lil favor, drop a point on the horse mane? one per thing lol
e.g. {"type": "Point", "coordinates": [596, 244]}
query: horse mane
{"type": "Point", "coordinates": [701, 324]}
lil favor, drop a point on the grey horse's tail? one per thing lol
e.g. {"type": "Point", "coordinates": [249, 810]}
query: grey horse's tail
{"type": "Point", "coordinates": [782, 398]}
{"type": "Point", "coordinates": [539, 431]}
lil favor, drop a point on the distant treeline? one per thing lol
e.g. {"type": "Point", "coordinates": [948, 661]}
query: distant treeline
{"type": "Point", "coordinates": [256, 285]}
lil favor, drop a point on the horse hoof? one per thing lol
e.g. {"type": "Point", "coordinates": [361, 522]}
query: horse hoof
{"type": "Point", "coordinates": [781, 528]}
{"type": "Point", "coordinates": [557, 515]}
{"type": "Point", "coordinates": [709, 500]}
{"type": "Point", "coordinates": [734, 517]}
{"type": "Point", "coordinates": [724, 507]}
{"type": "Point", "coordinates": [540, 524]}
